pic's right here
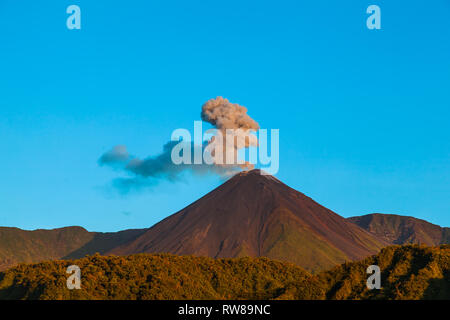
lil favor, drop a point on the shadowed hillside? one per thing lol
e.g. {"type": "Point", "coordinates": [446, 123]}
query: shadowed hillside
{"type": "Point", "coordinates": [402, 229]}
{"type": "Point", "coordinates": [18, 245]}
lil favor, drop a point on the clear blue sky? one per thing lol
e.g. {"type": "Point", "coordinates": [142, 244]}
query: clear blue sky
{"type": "Point", "coordinates": [363, 114]}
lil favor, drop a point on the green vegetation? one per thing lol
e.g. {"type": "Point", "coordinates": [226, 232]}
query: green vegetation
{"type": "Point", "coordinates": [18, 245]}
{"type": "Point", "coordinates": [408, 272]}
{"type": "Point", "coordinates": [402, 229]}
{"type": "Point", "coordinates": [282, 243]}
{"type": "Point", "coordinates": [159, 276]}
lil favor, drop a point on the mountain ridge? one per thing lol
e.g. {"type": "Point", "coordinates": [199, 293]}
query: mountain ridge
{"type": "Point", "coordinates": [399, 229]}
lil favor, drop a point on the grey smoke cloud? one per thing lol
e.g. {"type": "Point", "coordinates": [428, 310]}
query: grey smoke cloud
{"type": "Point", "coordinates": [147, 172]}
{"type": "Point", "coordinates": [116, 156]}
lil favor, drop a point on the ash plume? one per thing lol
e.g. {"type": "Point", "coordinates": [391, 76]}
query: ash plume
{"type": "Point", "coordinates": [219, 112]}
{"type": "Point", "coordinates": [225, 116]}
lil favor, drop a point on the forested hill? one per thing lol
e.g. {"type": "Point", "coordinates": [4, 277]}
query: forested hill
{"type": "Point", "coordinates": [407, 272]}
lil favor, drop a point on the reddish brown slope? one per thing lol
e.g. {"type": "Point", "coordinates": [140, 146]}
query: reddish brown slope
{"type": "Point", "coordinates": [256, 215]}
{"type": "Point", "coordinates": [402, 229]}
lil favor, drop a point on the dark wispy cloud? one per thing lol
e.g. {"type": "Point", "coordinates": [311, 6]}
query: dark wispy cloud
{"type": "Point", "coordinates": [144, 173]}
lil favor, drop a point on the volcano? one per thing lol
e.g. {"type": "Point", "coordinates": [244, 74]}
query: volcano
{"type": "Point", "coordinates": [253, 214]}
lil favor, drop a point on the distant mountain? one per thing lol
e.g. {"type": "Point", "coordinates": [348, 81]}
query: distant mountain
{"type": "Point", "coordinates": [402, 229]}
{"type": "Point", "coordinates": [17, 246]}
{"type": "Point", "coordinates": [407, 272]}
{"type": "Point", "coordinates": [257, 215]}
